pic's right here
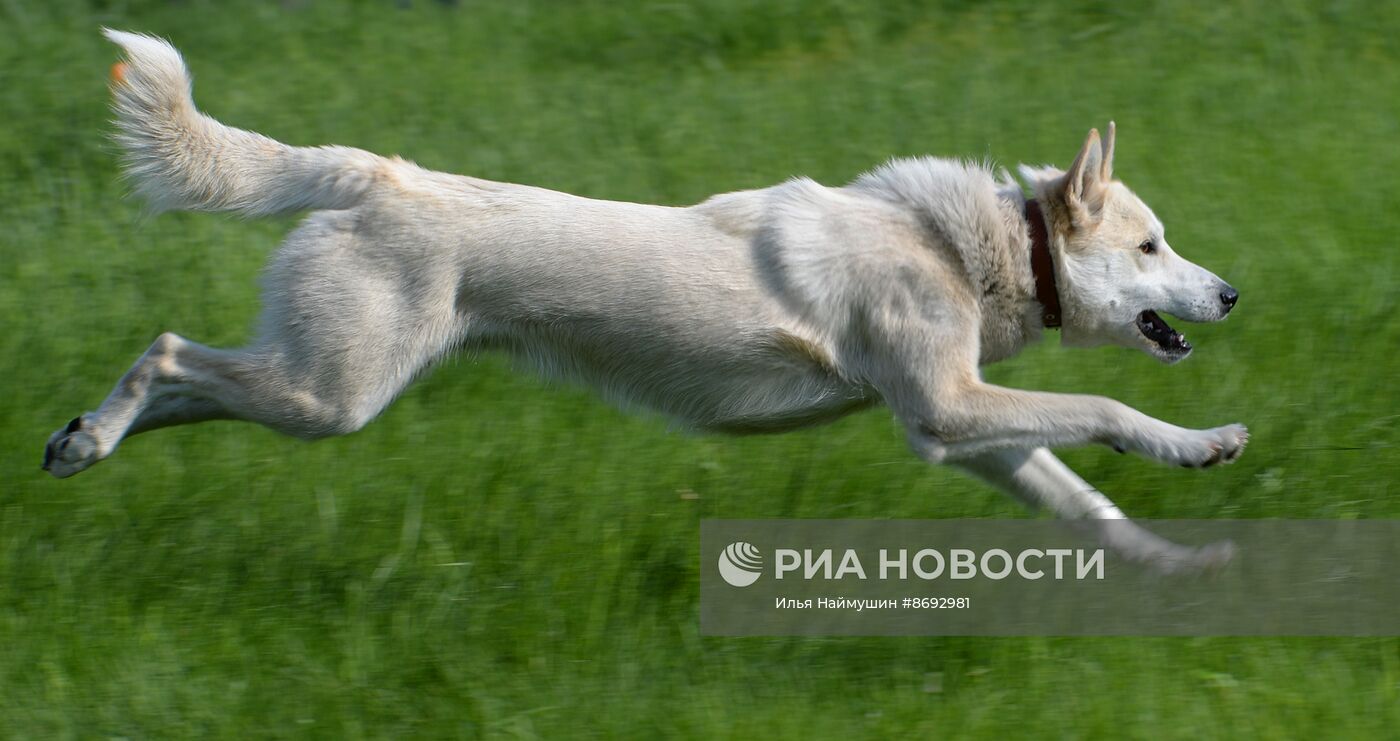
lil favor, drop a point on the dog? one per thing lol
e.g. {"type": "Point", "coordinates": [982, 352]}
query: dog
{"type": "Point", "coordinates": [756, 311]}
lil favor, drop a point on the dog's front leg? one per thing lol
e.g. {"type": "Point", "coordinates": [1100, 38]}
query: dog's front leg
{"type": "Point", "coordinates": [968, 418]}
{"type": "Point", "coordinates": [920, 350]}
{"type": "Point", "coordinates": [1040, 480]}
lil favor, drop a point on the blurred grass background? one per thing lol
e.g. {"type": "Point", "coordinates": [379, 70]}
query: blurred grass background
{"type": "Point", "coordinates": [496, 557]}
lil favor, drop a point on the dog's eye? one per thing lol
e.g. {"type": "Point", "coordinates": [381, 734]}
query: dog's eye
{"type": "Point", "coordinates": [1147, 247]}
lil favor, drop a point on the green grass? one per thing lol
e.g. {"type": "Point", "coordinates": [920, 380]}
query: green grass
{"type": "Point", "coordinates": [498, 557]}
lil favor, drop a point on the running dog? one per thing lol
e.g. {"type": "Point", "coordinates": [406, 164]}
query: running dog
{"type": "Point", "coordinates": [757, 311]}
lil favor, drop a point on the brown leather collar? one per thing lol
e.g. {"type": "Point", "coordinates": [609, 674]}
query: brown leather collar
{"type": "Point", "coordinates": [1043, 266]}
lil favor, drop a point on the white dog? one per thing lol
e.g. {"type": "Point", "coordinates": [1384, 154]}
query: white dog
{"type": "Point", "coordinates": [758, 311]}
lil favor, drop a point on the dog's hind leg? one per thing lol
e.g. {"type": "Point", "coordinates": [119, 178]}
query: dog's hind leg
{"type": "Point", "coordinates": [1043, 481]}
{"type": "Point", "coordinates": [320, 368]}
{"type": "Point", "coordinates": [178, 382]}
{"type": "Point", "coordinates": [347, 324]}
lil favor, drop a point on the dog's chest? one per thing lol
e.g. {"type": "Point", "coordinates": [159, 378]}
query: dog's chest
{"type": "Point", "coordinates": [1007, 324]}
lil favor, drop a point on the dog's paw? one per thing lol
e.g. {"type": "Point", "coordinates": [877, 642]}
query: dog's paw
{"type": "Point", "coordinates": [1236, 437]}
{"type": "Point", "coordinates": [70, 450]}
{"type": "Point", "coordinates": [1218, 445]}
{"type": "Point", "coordinates": [1194, 448]}
{"type": "Point", "coordinates": [1182, 561]}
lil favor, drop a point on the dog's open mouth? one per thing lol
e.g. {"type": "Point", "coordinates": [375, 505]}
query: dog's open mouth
{"type": "Point", "coordinates": [1161, 334]}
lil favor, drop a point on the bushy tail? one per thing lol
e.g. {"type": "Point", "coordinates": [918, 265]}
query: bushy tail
{"type": "Point", "coordinates": [180, 158]}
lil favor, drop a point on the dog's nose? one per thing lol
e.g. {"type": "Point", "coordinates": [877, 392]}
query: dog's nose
{"type": "Point", "coordinates": [1228, 297]}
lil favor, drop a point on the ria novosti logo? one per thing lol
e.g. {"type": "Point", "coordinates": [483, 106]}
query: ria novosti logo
{"type": "Point", "coordinates": [740, 564]}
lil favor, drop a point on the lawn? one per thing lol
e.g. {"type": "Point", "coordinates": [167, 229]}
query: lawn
{"type": "Point", "coordinates": [499, 556]}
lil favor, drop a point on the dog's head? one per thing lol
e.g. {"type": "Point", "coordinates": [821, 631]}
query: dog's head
{"type": "Point", "coordinates": [1115, 271]}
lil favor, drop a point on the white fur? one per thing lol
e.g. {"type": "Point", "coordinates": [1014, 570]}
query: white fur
{"type": "Point", "coordinates": [760, 311]}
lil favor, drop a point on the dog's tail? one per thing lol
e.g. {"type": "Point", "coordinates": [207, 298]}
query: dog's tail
{"type": "Point", "coordinates": [180, 158]}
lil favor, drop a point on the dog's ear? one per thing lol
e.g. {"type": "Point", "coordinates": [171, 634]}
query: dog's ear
{"type": "Point", "coordinates": [1106, 169]}
{"type": "Point", "coordinates": [1086, 182]}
